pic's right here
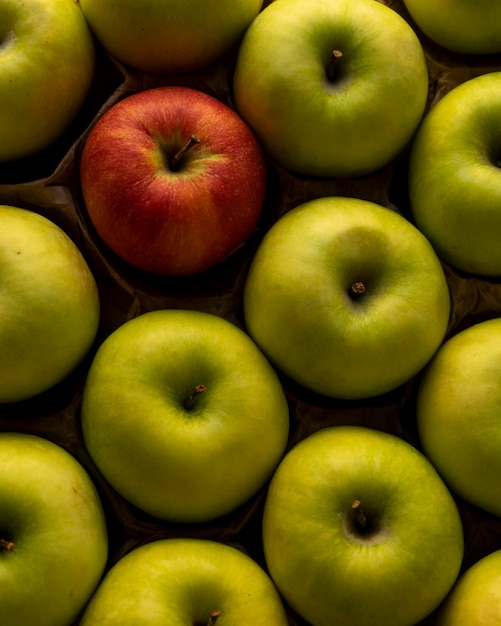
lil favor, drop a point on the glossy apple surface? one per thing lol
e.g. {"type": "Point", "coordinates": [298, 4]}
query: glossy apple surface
{"type": "Point", "coordinates": [346, 297]}
{"type": "Point", "coordinates": [183, 415]}
{"type": "Point", "coordinates": [458, 407]}
{"type": "Point", "coordinates": [455, 179]}
{"type": "Point", "coordinates": [184, 214]}
{"type": "Point", "coordinates": [169, 36]}
{"type": "Point", "coordinates": [464, 26]}
{"type": "Point", "coordinates": [181, 582]}
{"type": "Point", "coordinates": [49, 305]}
{"type": "Point", "coordinates": [332, 89]}
{"type": "Point", "coordinates": [53, 537]}
{"type": "Point", "coordinates": [359, 528]}
{"type": "Point", "coordinates": [475, 599]}
{"type": "Point", "coordinates": [47, 59]}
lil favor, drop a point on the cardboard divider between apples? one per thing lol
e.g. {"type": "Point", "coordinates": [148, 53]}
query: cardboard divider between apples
{"type": "Point", "coordinates": [49, 184]}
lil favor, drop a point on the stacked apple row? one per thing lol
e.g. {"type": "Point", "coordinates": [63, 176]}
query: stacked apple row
{"type": "Point", "coordinates": [186, 415]}
{"type": "Point", "coordinates": [186, 419]}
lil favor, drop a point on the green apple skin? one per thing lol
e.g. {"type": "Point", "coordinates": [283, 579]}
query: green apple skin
{"type": "Point", "coordinates": [458, 407]}
{"type": "Point", "coordinates": [170, 36]}
{"type": "Point", "coordinates": [179, 220]}
{"type": "Point", "coordinates": [462, 218]}
{"type": "Point", "coordinates": [49, 304]}
{"type": "Point", "coordinates": [475, 599]}
{"type": "Point", "coordinates": [181, 582]}
{"type": "Point", "coordinates": [180, 463]}
{"type": "Point", "coordinates": [52, 514]}
{"type": "Point", "coordinates": [333, 570]}
{"type": "Point", "coordinates": [47, 59]}
{"type": "Point", "coordinates": [300, 309]}
{"type": "Point", "coordinates": [350, 125]}
{"type": "Point", "coordinates": [463, 26]}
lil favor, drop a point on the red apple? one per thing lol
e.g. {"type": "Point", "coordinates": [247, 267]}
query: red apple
{"type": "Point", "coordinates": [173, 180]}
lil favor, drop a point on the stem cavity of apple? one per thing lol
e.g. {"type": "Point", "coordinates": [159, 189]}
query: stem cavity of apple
{"type": "Point", "coordinates": [361, 522]}
{"type": "Point", "coordinates": [333, 65]}
{"type": "Point", "coordinates": [360, 517]}
{"type": "Point", "coordinates": [6, 545]}
{"type": "Point", "coordinates": [177, 159]}
{"type": "Point", "coordinates": [190, 401]}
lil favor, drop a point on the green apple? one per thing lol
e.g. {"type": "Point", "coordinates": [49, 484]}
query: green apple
{"type": "Point", "coordinates": [183, 415]}
{"type": "Point", "coordinates": [185, 582]}
{"type": "Point", "coordinates": [359, 528]}
{"type": "Point", "coordinates": [49, 305]}
{"type": "Point", "coordinates": [464, 26]}
{"type": "Point", "coordinates": [454, 176]}
{"type": "Point", "coordinates": [458, 407]}
{"type": "Point", "coordinates": [475, 599]}
{"type": "Point", "coordinates": [346, 297]}
{"type": "Point", "coordinates": [47, 59]}
{"type": "Point", "coordinates": [169, 36]}
{"type": "Point", "coordinates": [53, 536]}
{"type": "Point", "coordinates": [331, 89]}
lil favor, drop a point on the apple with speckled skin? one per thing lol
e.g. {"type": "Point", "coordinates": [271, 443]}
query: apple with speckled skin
{"type": "Point", "coordinates": [359, 528]}
{"type": "Point", "coordinates": [475, 599]}
{"type": "Point", "coordinates": [463, 26]}
{"type": "Point", "coordinates": [47, 65]}
{"type": "Point", "coordinates": [455, 177]}
{"type": "Point", "coordinates": [173, 180]}
{"type": "Point", "coordinates": [183, 582]}
{"type": "Point", "coordinates": [457, 410]}
{"type": "Point", "coordinates": [53, 534]}
{"type": "Point", "coordinates": [50, 305]}
{"type": "Point", "coordinates": [183, 415]}
{"type": "Point", "coordinates": [170, 36]}
{"type": "Point", "coordinates": [346, 297]}
{"type": "Point", "coordinates": [332, 89]}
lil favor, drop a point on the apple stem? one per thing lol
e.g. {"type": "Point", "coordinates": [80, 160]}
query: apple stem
{"type": "Point", "coordinates": [190, 401]}
{"type": "Point", "coordinates": [7, 545]}
{"type": "Point", "coordinates": [360, 517]}
{"type": "Point", "coordinates": [333, 64]}
{"type": "Point", "coordinates": [358, 288]}
{"type": "Point", "coordinates": [176, 159]}
{"type": "Point", "coordinates": [213, 617]}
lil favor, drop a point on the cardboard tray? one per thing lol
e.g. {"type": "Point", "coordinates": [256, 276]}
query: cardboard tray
{"type": "Point", "coordinates": [48, 183]}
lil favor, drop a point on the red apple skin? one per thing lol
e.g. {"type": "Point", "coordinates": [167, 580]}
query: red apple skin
{"type": "Point", "coordinates": [172, 222]}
